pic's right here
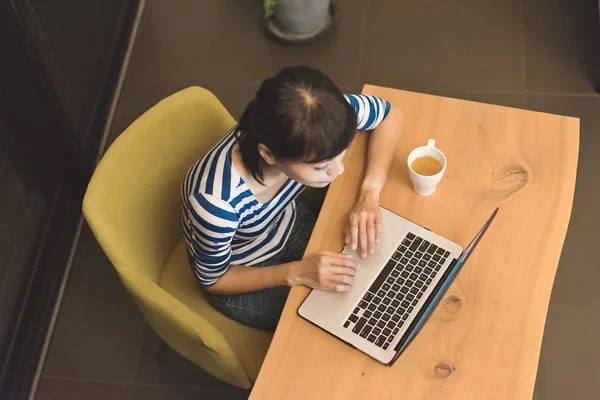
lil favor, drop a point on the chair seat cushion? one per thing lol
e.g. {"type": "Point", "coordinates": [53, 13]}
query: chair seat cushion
{"type": "Point", "coordinates": [249, 344]}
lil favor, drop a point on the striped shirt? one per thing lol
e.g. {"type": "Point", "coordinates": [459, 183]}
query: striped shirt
{"type": "Point", "coordinates": [225, 224]}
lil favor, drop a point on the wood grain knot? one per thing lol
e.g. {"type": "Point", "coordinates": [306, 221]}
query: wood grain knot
{"type": "Point", "coordinates": [443, 370]}
{"type": "Point", "coordinates": [509, 180]}
{"type": "Point", "coordinates": [450, 306]}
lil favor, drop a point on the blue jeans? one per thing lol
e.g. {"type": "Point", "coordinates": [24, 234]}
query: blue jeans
{"type": "Point", "coordinates": [262, 309]}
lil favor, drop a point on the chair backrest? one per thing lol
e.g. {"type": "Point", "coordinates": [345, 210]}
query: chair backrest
{"type": "Point", "coordinates": [133, 201]}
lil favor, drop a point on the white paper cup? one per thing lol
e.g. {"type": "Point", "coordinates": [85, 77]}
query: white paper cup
{"type": "Point", "coordinates": [425, 185]}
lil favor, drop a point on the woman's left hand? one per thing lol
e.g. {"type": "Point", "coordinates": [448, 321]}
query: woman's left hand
{"type": "Point", "coordinates": [363, 227]}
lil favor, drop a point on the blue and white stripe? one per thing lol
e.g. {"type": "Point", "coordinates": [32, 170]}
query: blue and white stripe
{"type": "Point", "coordinates": [223, 222]}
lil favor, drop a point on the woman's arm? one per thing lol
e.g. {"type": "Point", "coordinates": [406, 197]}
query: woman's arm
{"type": "Point", "coordinates": [364, 223]}
{"type": "Point", "coordinates": [324, 270]}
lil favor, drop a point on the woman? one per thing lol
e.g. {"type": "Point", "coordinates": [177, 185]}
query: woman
{"type": "Point", "coordinates": [245, 233]}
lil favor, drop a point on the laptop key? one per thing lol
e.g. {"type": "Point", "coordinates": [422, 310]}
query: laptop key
{"type": "Point", "coordinates": [367, 314]}
{"type": "Point", "coordinates": [409, 310]}
{"type": "Point", "coordinates": [403, 260]}
{"type": "Point", "coordinates": [363, 304]}
{"type": "Point", "coordinates": [404, 317]}
{"type": "Point", "coordinates": [426, 257]}
{"type": "Point", "coordinates": [410, 297]}
{"type": "Point", "coordinates": [422, 263]}
{"type": "Point", "coordinates": [442, 261]}
{"type": "Point", "coordinates": [390, 280]}
{"type": "Point", "coordinates": [437, 267]}
{"type": "Point", "coordinates": [395, 273]}
{"type": "Point", "coordinates": [376, 330]}
{"type": "Point", "coordinates": [346, 324]}
{"type": "Point", "coordinates": [380, 341]}
{"type": "Point", "coordinates": [385, 287]}
{"type": "Point", "coordinates": [386, 332]}
{"type": "Point", "coordinates": [419, 295]}
{"type": "Point", "coordinates": [396, 317]}
{"type": "Point", "coordinates": [381, 324]}
{"type": "Point", "coordinates": [402, 249]}
{"type": "Point", "coordinates": [381, 308]}
{"type": "Point", "coordinates": [446, 254]}
{"type": "Point", "coordinates": [387, 301]}
{"type": "Point", "coordinates": [428, 270]}
{"type": "Point", "coordinates": [356, 310]}
{"type": "Point", "coordinates": [415, 244]}
{"type": "Point", "coordinates": [385, 346]}
{"type": "Point", "coordinates": [381, 293]}
{"type": "Point", "coordinates": [400, 281]}
{"type": "Point", "coordinates": [404, 274]}
{"type": "Point", "coordinates": [419, 254]}
{"type": "Point", "coordinates": [365, 332]}
{"type": "Point", "coordinates": [414, 290]}
{"type": "Point", "coordinates": [372, 338]}
{"type": "Point", "coordinates": [424, 245]}
{"type": "Point", "coordinates": [409, 254]}
{"type": "Point", "coordinates": [395, 331]}
{"type": "Point", "coordinates": [395, 303]}
{"type": "Point", "coordinates": [392, 294]}
{"type": "Point", "coordinates": [391, 324]}
{"type": "Point", "coordinates": [410, 236]}
{"type": "Point", "coordinates": [404, 290]}
{"type": "Point", "coordinates": [440, 251]}
{"type": "Point", "coordinates": [400, 296]}
{"type": "Point", "coordinates": [359, 325]}
{"type": "Point", "coordinates": [414, 276]}
{"type": "Point", "coordinates": [395, 287]}
{"type": "Point", "coordinates": [409, 283]}
{"type": "Point", "coordinates": [406, 242]}
{"type": "Point", "coordinates": [431, 249]}
{"type": "Point", "coordinates": [405, 304]}
{"type": "Point", "coordinates": [377, 314]}
{"type": "Point", "coordinates": [414, 261]}
{"type": "Point", "coordinates": [436, 257]}
{"type": "Point", "coordinates": [386, 317]}
{"type": "Point", "coordinates": [414, 302]}
{"type": "Point", "coordinates": [418, 270]}
{"type": "Point", "coordinates": [353, 318]}
{"type": "Point", "coordinates": [409, 268]}
{"type": "Point", "coordinates": [368, 296]}
{"type": "Point", "coordinates": [428, 281]}
{"type": "Point", "coordinates": [433, 274]}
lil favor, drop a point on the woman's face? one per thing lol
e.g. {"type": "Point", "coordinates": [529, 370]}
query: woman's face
{"type": "Point", "coordinates": [315, 175]}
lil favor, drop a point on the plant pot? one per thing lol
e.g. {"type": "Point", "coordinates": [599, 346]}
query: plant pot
{"type": "Point", "coordinates": [300, 21]}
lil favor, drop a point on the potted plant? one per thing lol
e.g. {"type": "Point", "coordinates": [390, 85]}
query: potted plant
{"type": "Point", "coordinates": [298, 21]}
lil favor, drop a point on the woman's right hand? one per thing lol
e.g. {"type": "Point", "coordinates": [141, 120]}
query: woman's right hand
{"type": "Point", "coordinates": [325, 270]}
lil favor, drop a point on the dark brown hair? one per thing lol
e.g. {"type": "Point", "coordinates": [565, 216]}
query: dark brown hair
{"type": "Point", "coordinates": [300, 115]}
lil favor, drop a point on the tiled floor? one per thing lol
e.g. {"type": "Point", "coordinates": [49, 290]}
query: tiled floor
{"type": "Point", "coordinates": [537, 54]}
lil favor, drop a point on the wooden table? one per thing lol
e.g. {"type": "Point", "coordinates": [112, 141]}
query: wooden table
{"type": "Point", "coordinates": [484, 339]}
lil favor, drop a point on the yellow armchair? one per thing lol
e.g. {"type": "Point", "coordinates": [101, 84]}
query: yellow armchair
{"type": "Point", "coordinates": [133, 206]}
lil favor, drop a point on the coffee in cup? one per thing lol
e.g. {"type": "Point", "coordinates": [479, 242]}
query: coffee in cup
{"type": "Point", "coordinates": [426, 166]}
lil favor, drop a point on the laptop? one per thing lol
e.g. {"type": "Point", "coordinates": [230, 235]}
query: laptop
{"type": "Point", "coordinates": [395, 291]}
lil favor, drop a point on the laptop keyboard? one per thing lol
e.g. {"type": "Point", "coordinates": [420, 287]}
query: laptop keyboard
{"type": "Point", "coordinates": [390, 300]}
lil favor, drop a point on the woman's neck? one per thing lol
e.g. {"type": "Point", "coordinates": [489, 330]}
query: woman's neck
{"type": "Point", "coordinates": [271, 174]}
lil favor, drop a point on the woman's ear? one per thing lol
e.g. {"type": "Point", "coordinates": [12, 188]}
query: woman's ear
{"type": "Point", "coordinates": [266, 154]}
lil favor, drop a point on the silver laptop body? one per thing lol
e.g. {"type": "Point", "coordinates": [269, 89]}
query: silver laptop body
{"type": "Point", "coordinates": [349, 315]}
